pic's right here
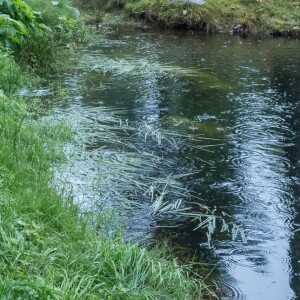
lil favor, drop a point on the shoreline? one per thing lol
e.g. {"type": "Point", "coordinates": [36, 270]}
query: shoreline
{"type": "Point", "coordinates": [269, 17]}
{"type": "Point", "coordinates": [50, 250]}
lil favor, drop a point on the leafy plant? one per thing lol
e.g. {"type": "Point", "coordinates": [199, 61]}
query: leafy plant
{"type": "Point", "coordinates": [17, 20]}
{"type": "Point", "coordinates": [39, 52]}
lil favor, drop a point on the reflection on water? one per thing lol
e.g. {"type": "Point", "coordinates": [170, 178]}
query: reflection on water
{"type": "Point", "coordinates": [264, 197]}
{"type": "Point", "coordinates": [242, 93]}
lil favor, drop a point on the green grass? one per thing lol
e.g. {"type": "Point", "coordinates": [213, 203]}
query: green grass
{"type": "Point", "coordinates": [48, 248]}
{"type": "Point", "coordinates": [51, 12]}
{"type": "Point", "coordinates": [269, 16]}
{"type": "Point", "coordinates": [10, 73]}
{"type": "Point", "coordinates": [64, 20]}
{"type": "Point", "coordinates": [41, 52]}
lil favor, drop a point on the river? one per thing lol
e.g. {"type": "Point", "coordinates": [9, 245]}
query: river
{"type": "Point", "coordinates": [194, 123]}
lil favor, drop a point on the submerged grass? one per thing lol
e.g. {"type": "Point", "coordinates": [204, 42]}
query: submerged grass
{"type": "Point", "coordinates": [128, 165]}
{"type": "Point", "coordinates": [137, 67]}
{"type": "Point", "coordinates": [49, 250]}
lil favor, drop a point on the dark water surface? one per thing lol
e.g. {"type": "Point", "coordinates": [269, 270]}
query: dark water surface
{"type": "Point", "coordinates": [144, 100]}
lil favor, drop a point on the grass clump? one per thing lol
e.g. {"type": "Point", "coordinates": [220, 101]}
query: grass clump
{"type": "Point", "coordinates": [47, 250]}
{"type": "Point", "coordinates": [10, 73]}
{"type": "Point", "coordinates": [51, 12]}
{"type": "Point", "coordinates": [63, 18]}
{"type": "Point", "coordinates": [41, 53]}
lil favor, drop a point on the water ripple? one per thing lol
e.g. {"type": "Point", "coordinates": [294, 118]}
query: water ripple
{"type": "Point", "coordinates": [229, 290]}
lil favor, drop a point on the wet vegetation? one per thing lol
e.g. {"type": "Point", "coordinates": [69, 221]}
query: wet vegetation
{"type": "Point", "coordinates": [140, 130]}
{"type": "Point", "coordinates": [49, 249]}
{"type": "Point", "coordinates": [277, 17]}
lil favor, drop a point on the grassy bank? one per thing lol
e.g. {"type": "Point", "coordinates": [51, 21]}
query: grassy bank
{"type": "Point", "coordinates": [48, 249]}
{"type": "Point", "coordinates": [266, 16]}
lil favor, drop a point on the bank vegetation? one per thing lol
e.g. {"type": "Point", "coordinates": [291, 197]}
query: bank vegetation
{"type": "Point", "coordinates": [276, 17]}
{"type": "Point", "coordinates": [48, 248]}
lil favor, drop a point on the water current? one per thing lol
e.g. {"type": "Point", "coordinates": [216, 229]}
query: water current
{"type": "Point", "coordinates": [212, 122]}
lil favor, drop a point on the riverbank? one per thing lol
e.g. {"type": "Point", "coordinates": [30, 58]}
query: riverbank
{"type": "Point", "coordinates": [48, 249]}
{"type": "Point", "coordinates": [276, 17]}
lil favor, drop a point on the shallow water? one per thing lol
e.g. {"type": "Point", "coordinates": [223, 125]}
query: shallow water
{"type": "Point", "coordinates": [150, 105]}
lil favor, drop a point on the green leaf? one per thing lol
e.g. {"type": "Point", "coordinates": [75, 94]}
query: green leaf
{"type": "Point", "coordinates": [16, 19]}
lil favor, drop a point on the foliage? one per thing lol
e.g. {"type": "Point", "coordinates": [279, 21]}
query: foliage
{"type": "Point", "coordinates": [34, 44]}
{"type": "Point", "coordinates": [60, 16]}
{"type": "Point", "coordinates": [40, 52]}
{"type": "Point", "coordinates": [269, 16]}
{"type": "Point", "coordinates": [22, 32]}
{"type": "Point", "coordinates": [17, 21]}
{"type": "Point", "coordinates": [50, 12]}
{"type": "Point", "coordinates": [10, 73]}
{"type": "Point", "coordinates": [47, 250]}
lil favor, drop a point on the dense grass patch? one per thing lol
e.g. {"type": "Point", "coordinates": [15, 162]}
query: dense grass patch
{"type": "Point", "coordinates": [269, 16]}
{"type": "Point", "coordinates": [10, 73]}
{"type": "Point", "coordinates": [47, 250]}
{"type": "Point", "coordinates": [63, 18]}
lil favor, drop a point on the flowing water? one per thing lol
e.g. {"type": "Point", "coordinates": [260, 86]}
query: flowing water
{"type": "Point", "coordinates": [212, 122]}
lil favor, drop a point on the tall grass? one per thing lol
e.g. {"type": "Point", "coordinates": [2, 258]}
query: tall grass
{"type": "Point", "coordinates": [48, 28]}
{"type": "Point", "coordinates": [10, 73]}
{"type": "Point", "coordinates": [47, 250]}
{"type": "Point", "coordinates": [271, 16]}
{"type": "Point", "coordinates": [40, 52]}
{"type": "Point", "coordinates": [64, 19]}
{"type": "Point", "coordinates": [51, 12]}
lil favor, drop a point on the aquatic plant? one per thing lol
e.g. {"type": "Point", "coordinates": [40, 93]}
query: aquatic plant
{"type": "Point", "coordinates": [141, 67]}
{"type": "Point", "coordinates": [49, 250]}
{"type": "Point", "coordinates": [127, 171]}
